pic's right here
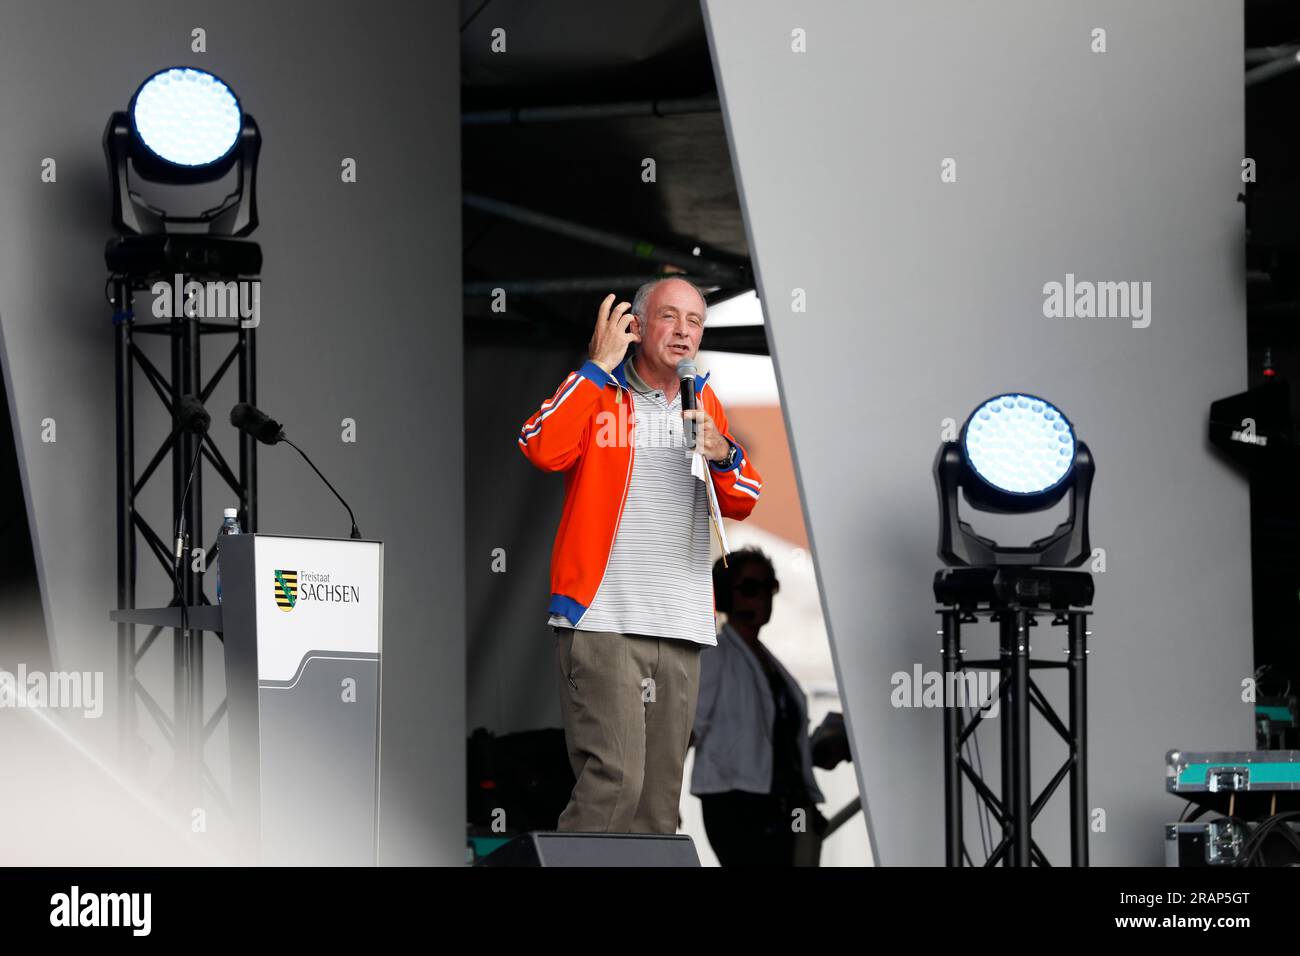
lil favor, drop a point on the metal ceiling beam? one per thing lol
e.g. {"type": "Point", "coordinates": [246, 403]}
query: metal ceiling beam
{"type": "Point", "coordinates": [591, 111]}
{"type": "Point", "coordinates": [577, 284]}
{"type": "Point", "coordinates": [1276, 67]}
{"type": "Point", "coordinates": [637, 248]}
{"type": "Point", "coordinates": [741, 339]}
{"type": "Point", "coordinates": [1263, 54]}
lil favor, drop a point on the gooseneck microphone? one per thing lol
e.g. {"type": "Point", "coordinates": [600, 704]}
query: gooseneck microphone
{"type": "Point", "coordinates": [191, 418]}
{"type": "Point", "coordinates": [253, 421]}
{"type": "Point", "coordinates": [686, 372]}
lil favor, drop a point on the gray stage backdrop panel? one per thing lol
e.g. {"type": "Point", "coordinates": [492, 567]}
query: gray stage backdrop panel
{"type": "Point", "coordinates": [361, 319]}
{"type": "Point", "coordinates": [924, 298]}
{"type": "Point", "coordinates": [511, 670]}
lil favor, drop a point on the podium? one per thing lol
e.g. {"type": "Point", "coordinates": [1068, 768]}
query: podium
{"type": "Point", "coordinates": [302, 620]}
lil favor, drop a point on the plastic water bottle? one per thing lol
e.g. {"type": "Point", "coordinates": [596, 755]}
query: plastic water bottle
{"type": "Point", "coordinates": [229, 525]}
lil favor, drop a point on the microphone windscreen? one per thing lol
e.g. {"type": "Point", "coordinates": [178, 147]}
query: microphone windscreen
{"type": "Point", "coordinates": [242, 415]}
{"type": "Point", "coordinates": [255, 422]}
{"type": "Point", "coordinates": [686, 369]}
{"type": "Point", "coordinates": [191, 416]}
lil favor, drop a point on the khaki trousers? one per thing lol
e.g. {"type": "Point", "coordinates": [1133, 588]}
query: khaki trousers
{"type": "Point", "coordinates": [628, 703]}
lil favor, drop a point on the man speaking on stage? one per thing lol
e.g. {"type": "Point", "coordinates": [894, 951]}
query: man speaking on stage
{"type": "Point", "coordinates": [631, 583]}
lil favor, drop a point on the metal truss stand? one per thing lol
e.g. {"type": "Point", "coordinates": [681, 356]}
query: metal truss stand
{"type": "Point", "coordinates": [187, 729]}
{"type": "Point", "coordinates": [1014, 598]}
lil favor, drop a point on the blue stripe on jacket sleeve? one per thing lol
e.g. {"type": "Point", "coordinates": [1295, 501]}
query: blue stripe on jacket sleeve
{"type": "Point", "coordinates": [723, 469]}
{"type": "Point", "coordinates": [567, 607]}
{"type": "Point", "coordinates": [595, 374]}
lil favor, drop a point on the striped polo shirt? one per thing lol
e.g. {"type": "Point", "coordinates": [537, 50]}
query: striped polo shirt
{"type": "Point", "coordinates": [658, 581]}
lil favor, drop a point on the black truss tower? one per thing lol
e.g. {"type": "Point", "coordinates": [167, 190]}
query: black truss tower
{"type": "Point", "coordinates": [135, 264]}
{"type": "Point", "coordinates": [1013, 598]}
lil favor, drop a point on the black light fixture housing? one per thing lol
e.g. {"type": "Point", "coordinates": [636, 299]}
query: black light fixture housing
{"type": "Point", "coordinates": [176, 157]}
{"type": "Point", "coordinates": [1016, 454]}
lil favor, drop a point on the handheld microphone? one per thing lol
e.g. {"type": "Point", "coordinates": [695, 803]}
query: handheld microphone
{"type": "Point", "coordinates": [686, 372]}
{"type": "Point", "coordinates": [253, 421]}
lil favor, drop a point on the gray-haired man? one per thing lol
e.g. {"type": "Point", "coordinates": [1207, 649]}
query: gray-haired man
{"type": "Point", "coordinates": [631, 583]}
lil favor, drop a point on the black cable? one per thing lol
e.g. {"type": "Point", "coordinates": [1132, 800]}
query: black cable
{"type": "Point", "coordinates": [355, 532]}
{"type": "Point", "coordinates": [966, 713]}
{"type": "Point", "coordinates": [180, 526]}
{"type": "Point", "coordinates": [1272, 827]}
{"type": "Point", "coordinates": [1278, 823]}
{"type": "Point", "coordinates": [982, 814]}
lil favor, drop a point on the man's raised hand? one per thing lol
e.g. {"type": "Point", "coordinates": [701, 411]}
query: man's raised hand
{"type": "Point", "coordinates": [614, 330]}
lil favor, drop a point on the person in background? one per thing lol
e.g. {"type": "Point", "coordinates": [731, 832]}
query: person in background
{"type": "Point", "coordinates": [753, 761]}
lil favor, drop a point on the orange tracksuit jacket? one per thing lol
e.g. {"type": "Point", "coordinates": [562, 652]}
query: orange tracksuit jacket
{"type": "Point", "coordinates": [561, 436]}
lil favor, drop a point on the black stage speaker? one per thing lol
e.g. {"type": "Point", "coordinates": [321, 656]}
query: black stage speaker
{"type": "Point", "coordinates": [595, 849]}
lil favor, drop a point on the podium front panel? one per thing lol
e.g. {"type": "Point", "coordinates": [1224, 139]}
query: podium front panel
{"type": "Point", "coordinates": [303, 637]}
